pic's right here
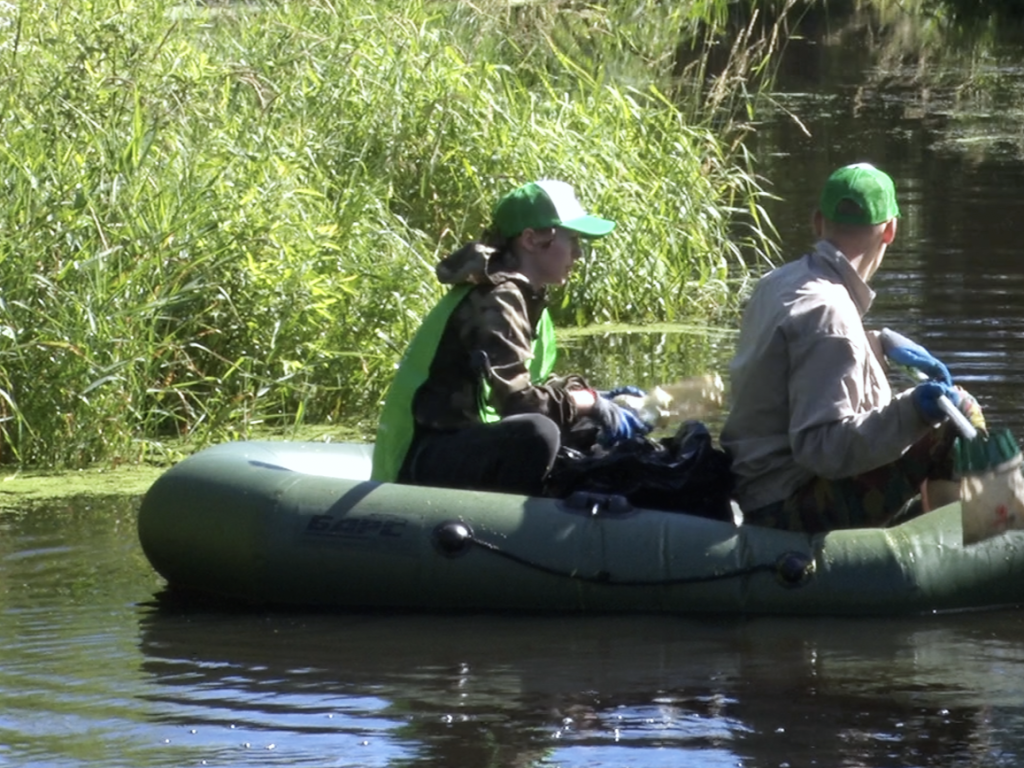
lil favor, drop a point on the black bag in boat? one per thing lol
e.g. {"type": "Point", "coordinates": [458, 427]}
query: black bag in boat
{"type": "Point", "coordinates": [681, 473]}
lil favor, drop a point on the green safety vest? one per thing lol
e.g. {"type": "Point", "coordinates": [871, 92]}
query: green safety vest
{"type": "Point", "coordinates": [396, 426]}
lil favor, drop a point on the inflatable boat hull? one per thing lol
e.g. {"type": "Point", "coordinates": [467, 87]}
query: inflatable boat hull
{"type": "Point", "coordinates": [298, 524]}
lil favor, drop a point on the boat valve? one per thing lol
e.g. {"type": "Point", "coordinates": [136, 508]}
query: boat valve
{"type": "Point", "coordinates": [794, 569]}
{"type": "Point", "coordinates": [452, 538]}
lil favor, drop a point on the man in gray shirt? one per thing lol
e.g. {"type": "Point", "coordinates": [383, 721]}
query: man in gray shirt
{"type": "Point", "coordinates": [817, 437]}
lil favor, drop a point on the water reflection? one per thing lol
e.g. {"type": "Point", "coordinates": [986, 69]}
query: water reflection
{"type": "Point", "coordinates": [98, 666]}
{"type": "Point", "coordinates": [486, 690]}
{"type": "Point", "coordinates": [66, 641]}
{"type": "Point", "coordinates": [95, 670]}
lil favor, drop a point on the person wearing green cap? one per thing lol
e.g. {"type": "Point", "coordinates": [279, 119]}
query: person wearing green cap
{"type": "Point", "coordinates": [474, 403]}
{"type": "Point", "coordinates": [817, 438]}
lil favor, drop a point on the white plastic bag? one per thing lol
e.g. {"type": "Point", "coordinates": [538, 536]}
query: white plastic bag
{"type": "Point", "coordinates": [992, 502]}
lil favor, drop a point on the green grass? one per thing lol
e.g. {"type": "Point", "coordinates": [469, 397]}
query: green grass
{"type": "Point", "coordinates": [222, 218]}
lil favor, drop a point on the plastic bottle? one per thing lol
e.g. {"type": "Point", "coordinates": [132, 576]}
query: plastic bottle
{"type": "Point", "coordinates": [696, 397]}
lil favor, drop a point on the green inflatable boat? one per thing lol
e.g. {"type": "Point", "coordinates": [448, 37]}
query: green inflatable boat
{"type": "Point", "coordinates": [298, 524]}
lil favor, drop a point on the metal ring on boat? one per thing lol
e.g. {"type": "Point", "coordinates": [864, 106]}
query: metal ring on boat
{"type": "Point", "coordinates": [452, 538]}
{"type": "Point", "coordinates": [794, 569]}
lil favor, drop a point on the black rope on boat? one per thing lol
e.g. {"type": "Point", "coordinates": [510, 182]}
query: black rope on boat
{"type": "Point", "coordinates": [792, 569]}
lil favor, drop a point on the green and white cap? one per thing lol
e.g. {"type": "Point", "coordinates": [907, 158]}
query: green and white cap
{"type": "Point", "coordinates": [543, 204]}
{"type": "Point", "coordinates": [870, 189]}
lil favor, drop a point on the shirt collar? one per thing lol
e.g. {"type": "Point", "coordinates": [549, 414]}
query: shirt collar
{"type": "Point", "coordinates": [831, 259]}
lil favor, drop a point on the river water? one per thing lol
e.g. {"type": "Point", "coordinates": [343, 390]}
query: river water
{"type": "Point", "coordinates": [98, 666]}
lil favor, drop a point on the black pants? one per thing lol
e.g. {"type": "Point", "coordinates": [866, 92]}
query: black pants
{"type": "Point", "coordinates": [513, 455]}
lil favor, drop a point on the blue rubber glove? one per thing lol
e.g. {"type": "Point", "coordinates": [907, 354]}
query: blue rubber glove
{"type": "Point", "coordinates": [617, 423]}
{"type": "Point", "coordinates": [902, 351]}
{"type": "Point", "coordinates": [926, 399]}
{"type": "Point", "coordinates": [628, 389]}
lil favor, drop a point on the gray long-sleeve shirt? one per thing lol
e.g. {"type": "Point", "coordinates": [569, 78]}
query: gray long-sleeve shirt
{"type": "Point", "coordinates": [809, 393]}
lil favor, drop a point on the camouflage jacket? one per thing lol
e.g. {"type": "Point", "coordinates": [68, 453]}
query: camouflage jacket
{"type": "Point", "coordinates": [497, 318]}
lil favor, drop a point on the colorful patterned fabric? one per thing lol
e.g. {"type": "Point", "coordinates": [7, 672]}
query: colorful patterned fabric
{"type": "Point", "coordinates": [972, 410]}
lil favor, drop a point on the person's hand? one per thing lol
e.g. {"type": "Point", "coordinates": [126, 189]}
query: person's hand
{"type": "Point", "coordinates": [902, 351]}
{"type": "Point", "coordinates": [617, 422]}
{"type": "Point", "coordinates": [926, 399]}
{"type": "Point", "coordinates": [627, 389]}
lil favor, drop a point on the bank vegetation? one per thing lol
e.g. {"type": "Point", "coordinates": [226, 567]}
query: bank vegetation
{"type": "Point", "coordinates": [223, 217]}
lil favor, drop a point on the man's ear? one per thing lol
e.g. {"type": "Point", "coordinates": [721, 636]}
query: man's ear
{"type": "Point", "coordinates": [889, 232]}
{"type": "Point", "coordinates": [818, 224]}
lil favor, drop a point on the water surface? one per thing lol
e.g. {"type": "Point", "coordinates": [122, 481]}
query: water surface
{"type": "Point", "coordinates": [100, 666]}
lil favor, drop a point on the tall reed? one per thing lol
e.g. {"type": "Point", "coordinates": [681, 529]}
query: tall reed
{"type": "Point", "coordinates": [219, 217]}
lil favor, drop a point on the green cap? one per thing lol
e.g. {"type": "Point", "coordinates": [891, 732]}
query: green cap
{"type": "Point", "coordinates": [544, 204]}
{"type": "Point", "coordinates": [869, 188]}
